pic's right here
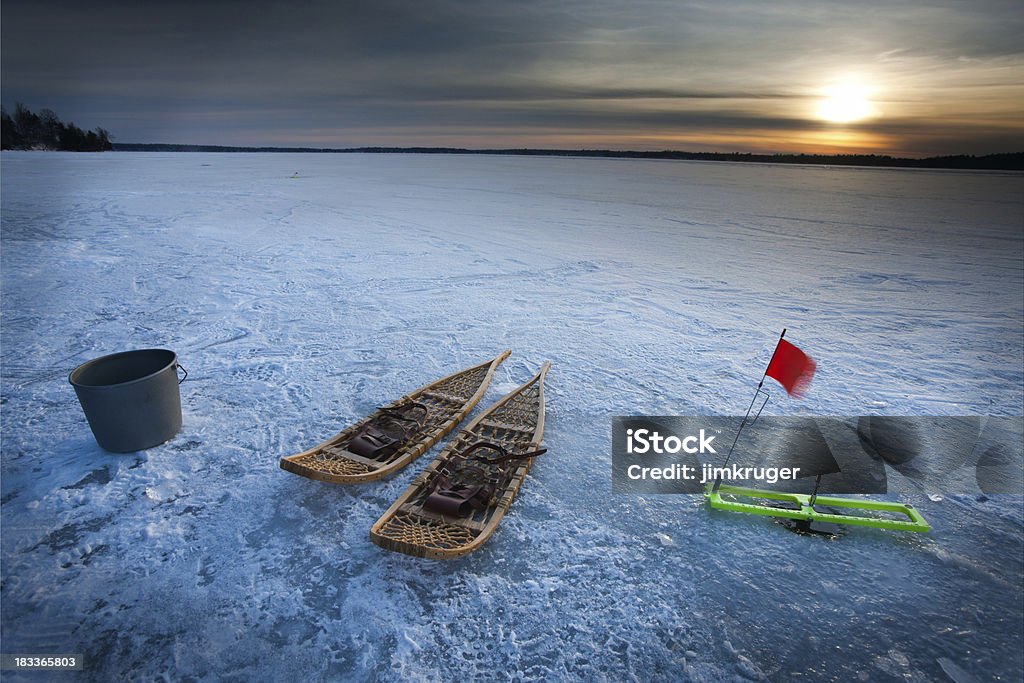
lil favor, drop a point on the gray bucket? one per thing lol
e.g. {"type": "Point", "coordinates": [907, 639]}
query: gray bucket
{"type": "Point", "coordinates": [130, 399]}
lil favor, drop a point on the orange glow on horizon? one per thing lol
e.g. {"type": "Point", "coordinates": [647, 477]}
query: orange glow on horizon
{"type": "Point", "coordinates": [848, 141]}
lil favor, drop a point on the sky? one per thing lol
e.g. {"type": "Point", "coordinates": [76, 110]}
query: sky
{"type": "Point", "coordinates": [907, 78]}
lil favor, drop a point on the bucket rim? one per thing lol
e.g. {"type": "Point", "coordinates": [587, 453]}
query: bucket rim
{"type": "Point", "coordinates": [110, 356]}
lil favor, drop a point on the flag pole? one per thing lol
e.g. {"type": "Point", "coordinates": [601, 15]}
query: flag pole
{"type": "Point", "coordinates": [718, 480]}
{"type": "Point", "coordinates": [814, 495]}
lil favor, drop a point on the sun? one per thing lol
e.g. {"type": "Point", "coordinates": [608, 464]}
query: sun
{"type": "Point", "coordinates": [846, 103]}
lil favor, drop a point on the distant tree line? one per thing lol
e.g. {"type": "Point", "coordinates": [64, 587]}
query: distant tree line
{"type": "Point", "coordinates": [45, 130]}
{"type": "Point", "coordinates": [1012, 161]}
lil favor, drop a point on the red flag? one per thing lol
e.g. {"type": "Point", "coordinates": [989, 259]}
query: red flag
{"type": "Point", "coordinates": [792, 368]}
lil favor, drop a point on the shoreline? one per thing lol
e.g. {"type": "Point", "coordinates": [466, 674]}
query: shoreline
{"type": "Point", "coordinates": [1010, 161]}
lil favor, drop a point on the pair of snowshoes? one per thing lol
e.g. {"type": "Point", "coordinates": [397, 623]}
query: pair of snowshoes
{"type": "Point", "coordinates": [457, 502]}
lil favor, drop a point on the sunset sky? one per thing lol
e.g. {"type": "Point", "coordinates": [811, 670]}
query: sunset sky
{"type": "Point", "coordinates": [901, 78]}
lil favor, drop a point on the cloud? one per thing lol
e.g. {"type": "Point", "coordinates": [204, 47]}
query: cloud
{"type": "Point", "coordinates": [534, 65]}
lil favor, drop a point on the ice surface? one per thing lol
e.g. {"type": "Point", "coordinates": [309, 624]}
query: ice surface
{"type": "Point", "coordinates": [298, 304]}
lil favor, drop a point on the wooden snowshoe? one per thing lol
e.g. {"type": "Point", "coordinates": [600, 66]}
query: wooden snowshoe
{"type": "Point", "coordinates": [456, 504]}
{"type": "Point", "coordinates": [395, 435]}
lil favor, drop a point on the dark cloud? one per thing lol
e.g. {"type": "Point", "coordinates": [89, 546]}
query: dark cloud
{"type": "Point", "coordinates": [184, 71]}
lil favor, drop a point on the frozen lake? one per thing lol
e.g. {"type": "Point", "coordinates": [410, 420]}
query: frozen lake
{"type": "Point", "coordinates": [301, 291]}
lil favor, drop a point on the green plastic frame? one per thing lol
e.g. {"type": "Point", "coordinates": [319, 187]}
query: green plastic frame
{"type": "Point", "coordinates": [804, 511]}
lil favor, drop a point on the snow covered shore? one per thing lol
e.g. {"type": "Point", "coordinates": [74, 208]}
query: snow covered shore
{"type": "Point", "coordinates": [301, 291]}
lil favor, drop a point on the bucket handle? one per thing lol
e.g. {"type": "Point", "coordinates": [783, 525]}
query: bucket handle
{"type": "Point", "coordinates": [179, 366]}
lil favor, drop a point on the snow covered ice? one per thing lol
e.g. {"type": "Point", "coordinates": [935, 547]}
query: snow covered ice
{"type": "Point", "coordinates": [302, 291]}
